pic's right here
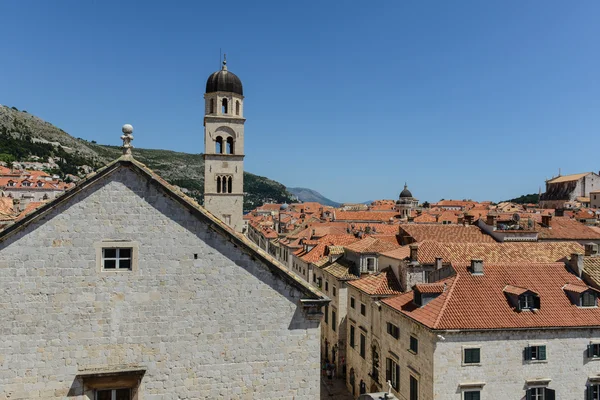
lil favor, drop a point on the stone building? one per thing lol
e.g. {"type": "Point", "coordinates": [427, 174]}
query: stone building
{"type": "Point", "coordinates": [125, 288]}
{"type": "Point", "coordinates": [499, 331]}
{"type": "Point", "coordinates": [562, 191]}
{"type": "Point", "coordinates": [224, 147]}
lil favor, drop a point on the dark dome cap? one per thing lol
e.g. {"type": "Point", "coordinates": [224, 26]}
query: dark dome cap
{"type": "Point", "coordinates": [405, 193]}
{"type": "Point", "coordinates": [224, 81]}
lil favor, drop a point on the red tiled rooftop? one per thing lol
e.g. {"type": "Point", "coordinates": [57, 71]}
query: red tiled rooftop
{"type": "Point", "coordinates": [381, 283]}
{"type": "Point", "coordinates": [480, 301]}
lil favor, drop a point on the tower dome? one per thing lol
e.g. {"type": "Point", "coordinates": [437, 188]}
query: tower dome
{"type": "Point", "coordinates": [405, 193]}
{"type": "Point", "coordinates": [224, 81]}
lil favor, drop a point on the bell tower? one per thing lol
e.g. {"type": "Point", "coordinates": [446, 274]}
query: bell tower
{"type": "Point", "coordinates": [224, 147]}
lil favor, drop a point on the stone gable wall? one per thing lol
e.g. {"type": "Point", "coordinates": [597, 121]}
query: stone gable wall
{"type": "Point", "coordinates": [219, 326]}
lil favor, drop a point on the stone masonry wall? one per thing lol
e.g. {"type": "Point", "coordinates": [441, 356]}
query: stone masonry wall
{"type": "Point", "coordinates": [503, 368]}
{"type": "Point", "coordinates": [219, 326]}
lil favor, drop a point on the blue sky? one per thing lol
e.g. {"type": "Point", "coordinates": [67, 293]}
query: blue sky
{"type": "Point", "coordinates": [461, 99]}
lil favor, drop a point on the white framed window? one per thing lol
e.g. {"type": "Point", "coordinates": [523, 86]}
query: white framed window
{"type": "Point", "coordinates": [115, 258]}
{"type": "Point", "coordinates": [370, 264]}
{"type": "Point", "coordinates": [113, 394]}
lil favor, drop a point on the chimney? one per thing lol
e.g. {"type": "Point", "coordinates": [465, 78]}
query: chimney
{"type": "Point", "coordinates": [469, 219]}
{"type": "Point", "coordinates": [576, 263]}
{"type": "Point", "coordinates": [491, 220]}
{"type": "Point", "coordinates": [477, 266]}
{"type": "Point", "coordinates": [547, 220]}
{"type": "Point", "coordinates": [591, 249]}
{"type": "Point", "coordinates": [414, 248]}
{"type": "Point", "coordinates": [438, 262]}
{"type": "Point", "coordinates": [559, 212]}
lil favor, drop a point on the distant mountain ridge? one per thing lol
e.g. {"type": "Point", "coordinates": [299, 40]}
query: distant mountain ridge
{"type": "Point", "coordinates": [308, 195]}
{"type": "Point", "coordinates": [23, 134]}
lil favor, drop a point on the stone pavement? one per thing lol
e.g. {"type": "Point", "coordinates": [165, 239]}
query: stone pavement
{"type": "Point", "coordinates": [334, 389]}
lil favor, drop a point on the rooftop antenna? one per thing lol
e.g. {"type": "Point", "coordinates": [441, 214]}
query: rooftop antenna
{"type": "Point", "coordinates": [220, 57]}
{"type": "Point", "coordinates": [559, 172]}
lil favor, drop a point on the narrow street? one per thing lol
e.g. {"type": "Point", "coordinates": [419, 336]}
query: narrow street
{"type": "Point", "coordinates": [334, 390]}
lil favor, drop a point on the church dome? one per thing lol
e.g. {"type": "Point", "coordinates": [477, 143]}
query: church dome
{"type": "Point", "coordinates": [224, 81]}
{"type": "Point", "coordinates": [405, 193]}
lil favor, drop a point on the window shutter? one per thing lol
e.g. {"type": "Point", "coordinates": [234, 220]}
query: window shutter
{"type": "Point", "coordinates": [397, 383]}
{"type": "Point", "coordinates": [590, 352]}
{"type": "Point", "coordinates": [536, 302]}
{"type": "Point", "coordinates": [589, 393]}
{"type": "Point", "coordinates": [541, 352]}
{"type": "Point", "coordinates": [388, 369]}
{"type": "Point", "coordinates": [476, 356]}
{"type": "Point", "coordinates": [549, 394]}
{"type": "Point", "coordinates": [528, 353]}
{"type": "Point", "coordinates": [528, 396]}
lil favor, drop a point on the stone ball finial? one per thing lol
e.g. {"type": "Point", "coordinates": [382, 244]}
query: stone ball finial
{"type": "Point", "coordinates": [127, 129]}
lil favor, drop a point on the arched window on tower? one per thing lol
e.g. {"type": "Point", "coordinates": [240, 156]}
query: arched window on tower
{"type": "Point", "coordinates": [218, 184]}
{"type": "Point", "coordinates": [237, 108]}
{"type": "Point", "coordinates": [229, 145]}
{"type": "Point", "coordinates": [212, 106]}
{"type": "Point", "coordinates": [219, 145]}
{"type": "Point", "coordinates": [224, 107]}
{"type": "Point", "coordinates": [224, 182]}
{"type": "Point", "coordinates": [229, 184]}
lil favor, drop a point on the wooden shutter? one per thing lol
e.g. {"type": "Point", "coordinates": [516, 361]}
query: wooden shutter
{"type": "Point", "coordinates": [590, 351]}
{"type": "Point", "coordinates": [536, 302]}
{"type": "Point", "coordinates": [541, 352]}
{"type": "Point", "coordinates": [397, 383]}
{"type": "Point", "coordinates": [589, 393]}
{"type": "Point", "coordinates": [528, 396]}
{"type": "Point", "coordinates": [528, 353]}
{"type": "Point", "coordinates": [388, 369]}
{"type": "Point", "coordinates": [549, 394]}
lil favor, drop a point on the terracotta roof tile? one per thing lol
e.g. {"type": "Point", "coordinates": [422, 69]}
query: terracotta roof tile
{"type": "Point", "coordinates": [480, 301]}
{"type": "Point", "coordinates": [381, 283]}
{"type": "Point", "coordinates": [445, 233]}
{"type": "Point", "coordinates": [371, 245]}
{"type": "Point", "coordinates": [437, 287]}
{"type": "Point", "coordinates": [567, 229]}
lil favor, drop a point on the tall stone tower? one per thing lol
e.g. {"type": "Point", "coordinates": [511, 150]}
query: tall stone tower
{"type": "Point", "coordinates": [224, 147]}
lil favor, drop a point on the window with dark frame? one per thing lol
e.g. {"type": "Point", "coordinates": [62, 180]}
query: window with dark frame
{"type": "Point", "coordinates": [333, 290]}
{"type": "Point", "coordinates": [588, 299]}
{"type": "Point", "coordinates": [333, 320]}
{"type": "Point", "coordinates": [472, 355]}
{"type": "Point", "coordinates": [326, 314]}
{"type": "Point", "coordinates": [352, 336]}
{"type": "Point", "coordinates": [363, 341]}
{"type": "Point", "coordinates": [472, 395]}
{"type": "Point", "coordinates": [393, 330]}
{"type": "Point", "coordinates": [114, 259]}
{"type": "Point", "coordinates": [113, 394]}
{"type": "Point", "coordinates": [414, 344]}
{"type": "Point", "coordinates": [414, 388]}
{"type": "Point", "coordinates": [540, 393]}
{"type": "Point", "coordinates": [593, 392]}
{"type": "Point", "coordinates": [593, 350]}
{"type": "Point", "coordinates": [392, 373]}
{"type": "Point", "coordinates": [363, 309]}
{"type": "Point", "coordinates": [535, 352]}
{"type": "Point", "coordinates": [352, 305]}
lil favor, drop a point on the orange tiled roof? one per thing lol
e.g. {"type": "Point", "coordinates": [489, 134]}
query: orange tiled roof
{"type": "Point", "coordinates": [480, 301]}
{"type": "Point", "coordinates": [437, 287]}
{"type": "Point", "coordinates": [400, 253]}
{"type": "Point", "coordinates": [497, 252]}
{"type": "Point", "coordinates": [381, 283]}
{"type": "Point", "coordinates": [567, 229]}
{"type": "Point", "coordinates": [445, 233]}
{"type": "Point", "coordinates": [371, 245]}
{"type": "Point", "coordinates": [383, 216]}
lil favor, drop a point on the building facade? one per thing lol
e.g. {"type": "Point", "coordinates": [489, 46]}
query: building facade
{"type": "Point", "coordinates": [125, 287]}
